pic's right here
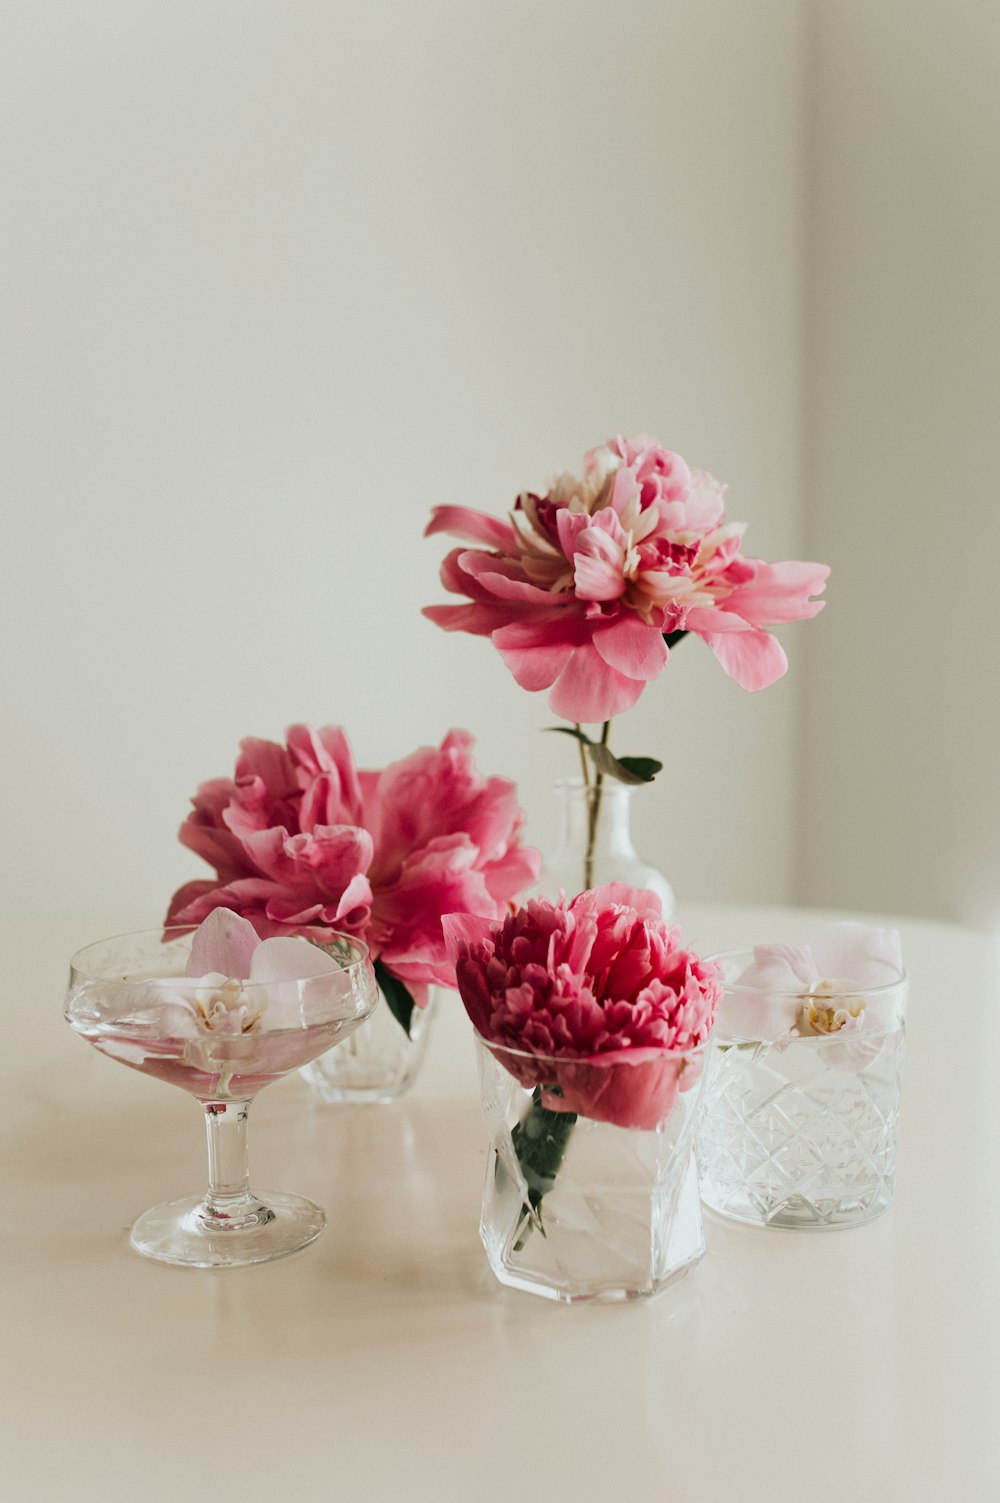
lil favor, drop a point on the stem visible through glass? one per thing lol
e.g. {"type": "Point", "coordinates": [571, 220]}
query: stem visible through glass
{"type": "Point", "coordinates": [228, 1202]}
{"type": "Point", "coordinates": [594, 798]}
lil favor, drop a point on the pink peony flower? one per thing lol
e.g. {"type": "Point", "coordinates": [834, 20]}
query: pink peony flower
{"type": "Point", "coordinates": [580, 587]}
{"type": "Point", "coordinates": [593, 1000]}
{"type": "Point", "coordinates": [304, 844]}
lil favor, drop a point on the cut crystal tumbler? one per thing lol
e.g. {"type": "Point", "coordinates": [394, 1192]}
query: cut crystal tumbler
{"type": "Point", "coordinates": [800, 1131]}
{"type": "Point", "coordinates": [379, 1062]}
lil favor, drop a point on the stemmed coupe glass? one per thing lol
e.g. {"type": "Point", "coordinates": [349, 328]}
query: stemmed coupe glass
{"type": "Point", "coordinates": [222, 1039]}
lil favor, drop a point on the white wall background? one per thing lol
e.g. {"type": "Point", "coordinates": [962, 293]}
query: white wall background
{"type": "Point", "coordinates": [901, 730]}
{"type": "Point", "coordinates": [280, 278]}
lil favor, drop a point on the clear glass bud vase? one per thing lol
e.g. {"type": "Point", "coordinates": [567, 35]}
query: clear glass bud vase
{"type": "Point", "coordinates": [381, 1060]}
{"type": "Point", "coordinates": [594, 845]}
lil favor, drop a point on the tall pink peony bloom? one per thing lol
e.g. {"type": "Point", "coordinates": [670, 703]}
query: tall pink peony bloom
{"type": "Point", "coordinates": [303, 843]}
{"type": "Point", "coordinates": [579, 588]}
{"type": "Point", "coordinates": [595, 997]}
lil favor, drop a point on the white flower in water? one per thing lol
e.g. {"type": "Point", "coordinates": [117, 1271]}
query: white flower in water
{"type": "Point", "coordinates": [843, 982]}
{"type": "Point", "coordinates": [820, 1014]}
{"type": "Point", "coordinates": [219, 1004]}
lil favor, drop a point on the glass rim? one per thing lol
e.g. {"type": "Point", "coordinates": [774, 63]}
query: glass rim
{"type": "Point", "coordinates": [577, 785]}
{"type": "Point", "coordinates": [880, 989]}
{"type": "Point", "coordinates": [168, 932]}
{"type": "Point", "coordinates": [614, 1057]}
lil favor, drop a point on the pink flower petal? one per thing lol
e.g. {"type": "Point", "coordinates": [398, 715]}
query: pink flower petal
{"type": "Point", "coordinates": [472, 526]}
{"type": "Point", "coordinates": [478, 620]}
{"type": "Point", "coordinates": [533, 657]}
{"type": "Point", "coordinates": [462, 929]}
{"type": "Point", "coordinates": [506, 588]}
{"type": "Point", "coordinates": [569, 525]}
{"type": "Point", "coordinates": [870, 956]}
{"type": "Point", "coordinates": [635, 649]}
{"type": "Point", "coordinates": [225, 943]}
{"type": "Point", "coordinates": [779, 592]}
{"type": "Point", "coordinates": [754, 659]}
{"type": "Point", "coordinates": [588, 689]}
{"type": "Point", "coordinates": [289, 959]}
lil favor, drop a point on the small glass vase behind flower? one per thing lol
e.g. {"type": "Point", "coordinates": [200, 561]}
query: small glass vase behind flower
{"type": "Point", "coordinates": [379, 1062]}
{"type": "Point", "coordinates": [802, 1112]}
{"type": "Point", "coordinates": [592, 1029]}
{"type": "Point", "coordinates": [304, 843]}
{"type": "Point", "coordinates": [594, 844]}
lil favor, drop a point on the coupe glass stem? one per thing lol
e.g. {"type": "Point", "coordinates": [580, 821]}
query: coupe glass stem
{"type": "Point", "coordinates": [228, 1201]}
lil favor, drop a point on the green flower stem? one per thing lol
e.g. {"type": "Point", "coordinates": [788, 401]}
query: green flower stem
{"type": "Point", "coordinates": [583, 756]}
{"type": "Point", "coordinates": [594, 814]}
{"type": "Point", "coordinates": [540, 1140]}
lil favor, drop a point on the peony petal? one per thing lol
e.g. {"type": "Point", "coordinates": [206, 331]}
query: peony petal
{"type": "Point", "coordinates": [463, 931]}
{"type": "Point", "coordinates": [478, 620]}
{"type": "Point", "coordinates": [512, 872]}
{"type": "Point", "coordinates": [597, 578]}
{"type": "Point", "coordinates": [588, 690]}
{"type": "Point", "coordinates": [472, 526]}
{"type": "Point", "coordinates": [269, 762]}
{"type": "Point", "coordinates": [778, 592]}
{"type": "Point", "coordinates": [619, 895]}
{"type": "Point", "coordinates": [569, 525]}
{"type": "Point", "coordinates": [534, 661]}
{"type": "Point", "coordinates": [184, 897]}
{"type": "Point", "coordinates": [753, 658]}
{"type": "Point", "coordinates": [635, 649]}
{"type": "Point", "coordinates": [520, 590]}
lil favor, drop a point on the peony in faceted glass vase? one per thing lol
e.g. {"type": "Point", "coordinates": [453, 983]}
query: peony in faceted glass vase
{"type": "Point", "coordinates": [575, 1209]}
{"type": "Point", "coordinates": [378, 1063]}
{"type": "Point", "coordinates": [614, 857]}
{"type": "Point", "coordinates": [801, 1131]}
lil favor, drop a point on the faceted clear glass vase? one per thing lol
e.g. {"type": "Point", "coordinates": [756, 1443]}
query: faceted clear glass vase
{"type": "Point", "coordinates": [802, 1131]}
{"type": "Point", "coordinates": [619, 1218]}
{"type": "Point", "coordinates": [381, 1061]}
{"type": "Point", "coordinates": [599, 820]}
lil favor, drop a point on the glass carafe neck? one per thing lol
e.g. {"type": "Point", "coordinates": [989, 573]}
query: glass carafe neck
{"type": "Point", "coordinates": [609, 832]}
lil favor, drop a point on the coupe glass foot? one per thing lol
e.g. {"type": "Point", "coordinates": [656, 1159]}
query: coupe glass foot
{"type": "Point", "coordinates": [272, 1226]}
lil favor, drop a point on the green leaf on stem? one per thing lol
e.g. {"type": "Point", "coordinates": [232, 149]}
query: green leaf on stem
{"type": "Point", "coordinates": [398, 999]}
{"type": "Point", "coordinates": [625, 769]}
{"type": "Point", "coordinates": [540, 1140]}
{"type": "Point", "coordinates": [570, 730]}
{"type": "Point", "coordinates": [630, 770]}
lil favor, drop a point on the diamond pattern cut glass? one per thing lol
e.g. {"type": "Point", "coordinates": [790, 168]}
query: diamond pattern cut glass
{"type": "Point", "coordinates": [802, 1131]}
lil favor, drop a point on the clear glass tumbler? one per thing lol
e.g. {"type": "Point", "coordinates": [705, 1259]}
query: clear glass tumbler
{"type": "Point", "coordinates": [801, 1131]}
{"type": "Point", "coordinates": [577, 1209]}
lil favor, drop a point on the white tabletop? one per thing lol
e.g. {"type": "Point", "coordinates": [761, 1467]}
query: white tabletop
{"type": "Point", "coordinates": [386, 1361]}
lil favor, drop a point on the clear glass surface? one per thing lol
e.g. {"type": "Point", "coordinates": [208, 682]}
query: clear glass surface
{"type": "Point", "coordinates": [618, 1217]}
{"type": "Point", "coordinates": [614, 856]}
{"type": "Point", "coordinates": [802, 1131]}
{"type": "Point", "coordinates": [222, 1042]}
{"type": "Point", "coordinates": [379, 1062]}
